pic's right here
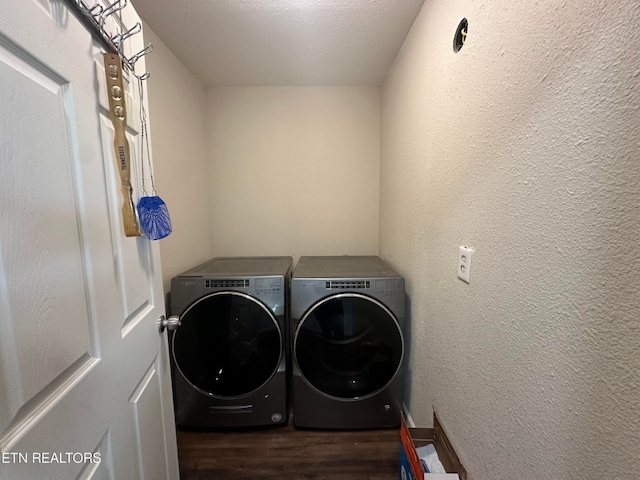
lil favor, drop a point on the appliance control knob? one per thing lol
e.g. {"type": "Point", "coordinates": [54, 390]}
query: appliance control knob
{"type": "Point", "coordinates": [170, 323]}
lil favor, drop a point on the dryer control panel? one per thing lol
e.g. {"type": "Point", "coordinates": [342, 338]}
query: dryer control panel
{"type": "Point", "coordinates": [390, 286]}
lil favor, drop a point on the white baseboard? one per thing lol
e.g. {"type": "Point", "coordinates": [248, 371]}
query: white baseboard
{"type": "Point", "coordinates": [407, 416]}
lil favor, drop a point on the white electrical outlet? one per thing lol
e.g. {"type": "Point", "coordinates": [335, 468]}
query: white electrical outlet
{"type": "Point", "coordinates": [464, 263]}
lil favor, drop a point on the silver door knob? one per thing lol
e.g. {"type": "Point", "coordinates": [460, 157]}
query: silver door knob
{"type": "Point", "coordinates": [170, 323]}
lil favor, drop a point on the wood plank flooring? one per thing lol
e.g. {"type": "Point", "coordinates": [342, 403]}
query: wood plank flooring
{"type": "Point", "coordinates": [288, 453]}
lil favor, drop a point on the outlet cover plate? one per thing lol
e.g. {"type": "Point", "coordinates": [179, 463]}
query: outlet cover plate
{"type": "Point", "coordinates": [464, 263]}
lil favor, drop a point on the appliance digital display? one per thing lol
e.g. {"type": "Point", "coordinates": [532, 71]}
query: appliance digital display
{"type": "Point", "coordinates": [268, 284]}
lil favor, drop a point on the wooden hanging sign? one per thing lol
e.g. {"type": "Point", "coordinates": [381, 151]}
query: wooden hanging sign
{"type": "Point", "coordinates": [118, 114]}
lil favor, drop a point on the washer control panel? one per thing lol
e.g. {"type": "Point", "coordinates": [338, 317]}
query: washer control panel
{"type": "Point", "coordinates": [227, 283]}
{"type": "Point", "coordinates": [268, 285]}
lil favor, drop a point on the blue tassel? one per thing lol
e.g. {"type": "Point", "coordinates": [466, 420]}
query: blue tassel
{"type": "Point", "coordinates": [154, 217]}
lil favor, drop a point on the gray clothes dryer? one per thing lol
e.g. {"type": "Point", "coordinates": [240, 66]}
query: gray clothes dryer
{"type": "Point", "coordinates": [347, 319]}
{"type": "Point", "coordinates": [228, 357]}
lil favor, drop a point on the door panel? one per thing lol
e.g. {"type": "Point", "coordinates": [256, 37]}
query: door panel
{"type": "Point", "coordinates": [42, 252]}
{"type": "Point", "coordinates": [39, 360]}
{"type": "Point", "coordinates": [83, 369]}
{"type": "Point", "coordinates": [132, 254]}
{"type": "Point", "coordinates": [146, 409]}
{"type": "Point", "coordinates": [103, 470]}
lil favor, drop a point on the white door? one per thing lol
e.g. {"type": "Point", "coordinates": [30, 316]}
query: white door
{"type": "Point", "coordinates": [85, 387]}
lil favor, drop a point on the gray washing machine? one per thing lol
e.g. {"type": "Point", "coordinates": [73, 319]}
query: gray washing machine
{"type": "Point", "coordinates": [347, 319]}
{"type": "Point", "coordinates": [228, 357]}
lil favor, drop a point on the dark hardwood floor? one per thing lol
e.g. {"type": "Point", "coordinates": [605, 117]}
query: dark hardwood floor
{"type": "Point", "coordinates": [288, 453]}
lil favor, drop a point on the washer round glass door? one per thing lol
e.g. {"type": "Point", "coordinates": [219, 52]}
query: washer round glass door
{"type": "Point", "coordinates": [229, 344]}
{"type": "Point", "coordinates": [348, 346]}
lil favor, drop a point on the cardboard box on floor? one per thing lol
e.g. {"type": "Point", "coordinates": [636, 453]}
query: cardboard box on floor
{"type": "Point", "coordinates": [411, 438]}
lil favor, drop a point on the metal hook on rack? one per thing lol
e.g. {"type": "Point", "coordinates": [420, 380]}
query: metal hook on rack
{"type": "Point", "coordinates": [118, 39]}
{"type": "Point", "coordinates": [94, 18]}
{"type": "Point", "coordinates": [110, 10]}
{"type": "Point", "coordinates": [95, 11]}
{"type": "Point", "coordinates": [134, 58]}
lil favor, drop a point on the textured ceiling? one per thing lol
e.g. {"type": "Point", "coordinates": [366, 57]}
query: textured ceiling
{"type": "Point", "coordinates": [283, 42]}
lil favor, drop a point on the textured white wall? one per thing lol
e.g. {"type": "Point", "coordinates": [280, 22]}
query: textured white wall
{"type": "Point", "coordinates": [294, 170]}
{"type": "Point", "coordinates": [176, 111]}
{"type": "Point", "coordinates": [523, 145]}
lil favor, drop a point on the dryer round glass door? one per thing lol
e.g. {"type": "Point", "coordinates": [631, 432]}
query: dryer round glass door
{"type": "Point", "coordinates": [348, 346]}
{"type": "Point", "coordinates": [229, 345]}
